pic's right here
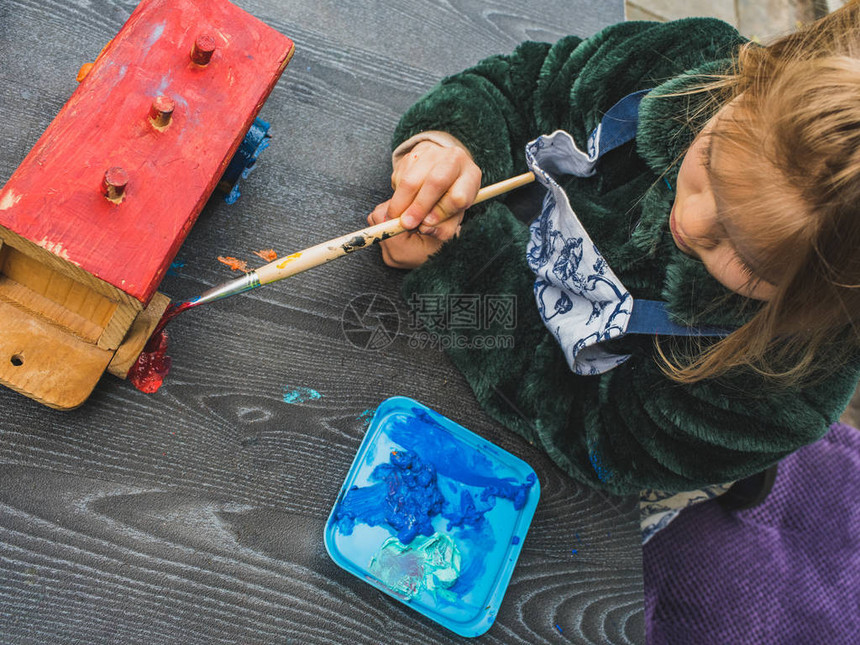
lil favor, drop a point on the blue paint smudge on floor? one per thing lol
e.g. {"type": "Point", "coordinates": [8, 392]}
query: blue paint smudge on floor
{"type": "Point", "coordinates": [300, 395]}
{"type": "Point", "coordinates": [175, 267]}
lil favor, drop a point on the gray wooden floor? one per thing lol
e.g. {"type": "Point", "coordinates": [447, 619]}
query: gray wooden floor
{"type": "Point", "coordinates": [196, 515]}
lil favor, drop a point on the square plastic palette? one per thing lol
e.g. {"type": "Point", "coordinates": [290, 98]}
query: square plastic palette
{"type": "Point", "coordinates": [433, 515]}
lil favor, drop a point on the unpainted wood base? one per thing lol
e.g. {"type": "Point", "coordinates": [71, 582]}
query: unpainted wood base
{"type": "Point", "coordinates": [57, 368]}
{"type": "Point", "coordinates": [46, 363]}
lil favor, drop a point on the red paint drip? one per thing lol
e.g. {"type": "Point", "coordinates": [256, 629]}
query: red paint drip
{"type": "Point", "coordinates": [153, 364]}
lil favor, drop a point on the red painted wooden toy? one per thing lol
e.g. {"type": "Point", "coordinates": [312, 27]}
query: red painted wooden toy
{"type": "Point", "coordinates": [92, 218]}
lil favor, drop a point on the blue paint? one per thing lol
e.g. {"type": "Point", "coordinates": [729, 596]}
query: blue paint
{"type": "Point", "coordinates": [574, 551]}
{"type": "Point", "coordinates": [161, 90]}
{"type": "Point", "coordinates": [560, 630]}
{"type": "Point", "coordinates": [406, 499]}
{"type": "Point", "coordinates": [175, 267]}
{"type": "Point", "coordinates": [465, 514]}
{"type": "Point", "coordinates": [604, 473]}
{"type": "Point", "coordinates": [300, 395]}
{"type": "Point", "coordinates": [471, 468]}
{"type": "Point", "coordinates": [245, 159]}
{"type": "Point", "coordinates": [417, 477]}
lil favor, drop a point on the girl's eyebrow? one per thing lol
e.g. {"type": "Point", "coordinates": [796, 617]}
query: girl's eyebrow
{"type": "Point", "coordinates": [707, 158]}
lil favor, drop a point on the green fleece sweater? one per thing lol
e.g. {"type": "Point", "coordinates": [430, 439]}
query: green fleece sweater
{"type": "Point", "coordinates": [630, 428]}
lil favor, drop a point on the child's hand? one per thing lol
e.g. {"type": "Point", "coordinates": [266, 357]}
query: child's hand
{"type": "Point", "coordinates": [433, 186]}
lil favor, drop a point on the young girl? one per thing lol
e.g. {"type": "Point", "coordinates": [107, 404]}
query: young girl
{"type": "Point", "coordinates": [737, 206]}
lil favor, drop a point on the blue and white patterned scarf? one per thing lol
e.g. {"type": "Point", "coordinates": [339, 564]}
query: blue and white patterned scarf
{"type": "Point", "coordinates": [582, 302]}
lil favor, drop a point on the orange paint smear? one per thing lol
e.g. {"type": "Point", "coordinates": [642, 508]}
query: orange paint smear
{"type": "Point", "coordinates": [235, 264]}
{"type": "Point", "coordinates": [267, 254]}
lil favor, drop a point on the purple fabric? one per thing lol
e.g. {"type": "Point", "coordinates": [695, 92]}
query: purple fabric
{"type": "Point", "coordinates": [787, 571]}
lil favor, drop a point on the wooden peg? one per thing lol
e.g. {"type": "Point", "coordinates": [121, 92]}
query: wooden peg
{"type": "Point", "coordinates": [161, 111]}
{"type": "Point", "coordinates": [114, 184]}
{"type": "Point", "coordinates": [203, 48]}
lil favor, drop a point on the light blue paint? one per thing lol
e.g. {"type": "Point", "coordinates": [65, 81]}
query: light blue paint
{"type": "Point", "coordinates": [157, 32]}
{"type": "Point", "coordinates": [366, 416]}
{"type": "Point", "coordinates": [161, 90]}
{"type": "Point", "coordinates": [428, 563]}
{"type": "Point", "coordinates": [300, 395]}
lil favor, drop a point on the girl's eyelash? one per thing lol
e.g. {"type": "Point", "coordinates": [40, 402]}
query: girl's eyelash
{"type": "Point", "coordinates": [746, 269]}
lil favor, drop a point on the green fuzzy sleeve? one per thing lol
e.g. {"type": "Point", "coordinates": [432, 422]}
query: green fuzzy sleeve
{"type": "Point", "coordinates": [488, 108]}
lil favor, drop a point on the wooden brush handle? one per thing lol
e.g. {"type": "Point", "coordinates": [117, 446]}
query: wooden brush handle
{"type": "Point", "coordinates": [325, 252]}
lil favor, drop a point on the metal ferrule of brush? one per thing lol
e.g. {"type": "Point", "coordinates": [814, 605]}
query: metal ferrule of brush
{"type": "Point", "coordinates": [239, 285]}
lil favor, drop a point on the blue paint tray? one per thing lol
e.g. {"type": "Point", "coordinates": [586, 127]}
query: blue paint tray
{"type": "Point", "coordinates": [433, 515]}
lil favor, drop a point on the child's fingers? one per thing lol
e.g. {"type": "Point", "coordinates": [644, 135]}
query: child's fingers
{"type": "Point", "coordinates": [459, 197]}
{"type": "Point", "coordinates": [445, 230]}
{"type": "Point", "coordinates": [408, 250]}
{"type": "Point", "coordinates": [423, 178]}
{"type": "Point", "coordinates": [428, 200]}
{"type": "Point", "coordinates": [433, 206]}
{"type": "Point", "coordinates": [379, 214]}
{"type": "Point", "coordinates": [418, 195]}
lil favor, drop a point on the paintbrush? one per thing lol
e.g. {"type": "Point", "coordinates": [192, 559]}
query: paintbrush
{"type": "Point", "coordinates": [290, 265]}
{"type": "Point", "coordinates": [152, 365]}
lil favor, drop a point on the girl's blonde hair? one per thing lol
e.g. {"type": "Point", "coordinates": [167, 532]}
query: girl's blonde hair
{"type": "Point", "coordinates": [799, 122]}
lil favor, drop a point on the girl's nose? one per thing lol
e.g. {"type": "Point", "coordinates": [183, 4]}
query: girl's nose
{"type": "Point", "coordinates": [700, 224]}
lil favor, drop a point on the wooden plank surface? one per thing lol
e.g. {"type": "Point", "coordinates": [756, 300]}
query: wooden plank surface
{"type": "Point", "coordinates": [195, 515]}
